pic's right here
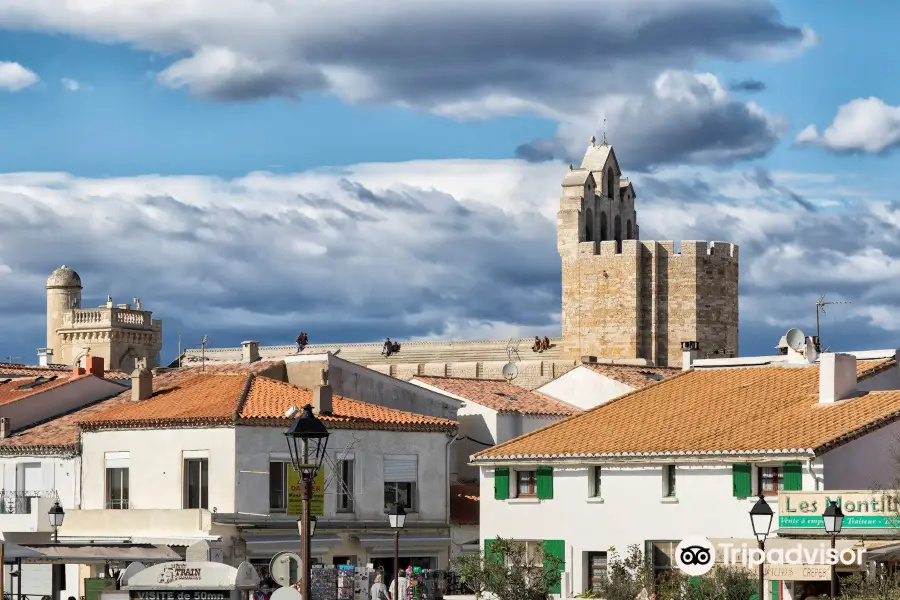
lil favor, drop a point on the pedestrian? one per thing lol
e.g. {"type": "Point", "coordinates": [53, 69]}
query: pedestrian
{"type": "Point", "coordinates": [379, 591]}
{"type": "Point", "coordinates": [402, 586]}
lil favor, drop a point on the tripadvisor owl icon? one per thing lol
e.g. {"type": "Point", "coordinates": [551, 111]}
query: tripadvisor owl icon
{"type": "Point", "coordinates": [695, 556]}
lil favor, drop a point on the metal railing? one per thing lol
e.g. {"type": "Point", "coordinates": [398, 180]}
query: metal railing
{"type": "Point", "coordinates": [117, 504]}
{"type": "Point", "coordinates": [20, 503]}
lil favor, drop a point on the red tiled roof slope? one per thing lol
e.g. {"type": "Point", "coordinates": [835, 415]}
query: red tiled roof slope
{"type": "Point", "coordinates": [754, 409]}
{"type": "Point", "coordinates": [501, 396]}
{"type": "Point", "coordinates": [635, 377]}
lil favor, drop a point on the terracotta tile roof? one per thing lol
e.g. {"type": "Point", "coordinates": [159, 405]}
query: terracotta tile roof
{"type": "Point", "coordinates": [465, 504]}
{"type": "Point", "coordinates": [11, 389]}
{"type": "Point", "coordinates": [246, 398]}
{"type": "Point", "coordinates": [501, 396]}
{"type": "Point", "coordinates": [17, 370]}
{"type": "Point", "coordinates": [635, 377]}
{"type": "Point", "coordinates": [713, 411]}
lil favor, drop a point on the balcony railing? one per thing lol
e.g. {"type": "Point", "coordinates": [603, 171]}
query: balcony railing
{"type": "Point", "coordinates": [117, 504]}
{"type": "Point", "coordinates": [20, 503]}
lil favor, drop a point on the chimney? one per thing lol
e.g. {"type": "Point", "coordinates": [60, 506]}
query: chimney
{"type": "Point", "coordinates": [141, 384]}
{"type": "Point", "coordinates": [45, 356]}
{"type": "Point", "coordinates": [78, 371]}
{"type": "Point", "coordinates": [94, 365]}
{"type": "Point", "coordinates": [690, 351]}
{"type": "Point", "coordinates": [321, 395]}
{"type": "Point", "coordinates": [4, 427]}
{"type": "Point", "coordinates": [837, 377]}
{"type": "Point", "coordinates": [251, 351]}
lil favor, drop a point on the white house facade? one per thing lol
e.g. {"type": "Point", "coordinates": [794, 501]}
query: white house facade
{"type": "Point", "coordinates": [593, 383]}
{"type": "Point", "coordinates": [689, 455]}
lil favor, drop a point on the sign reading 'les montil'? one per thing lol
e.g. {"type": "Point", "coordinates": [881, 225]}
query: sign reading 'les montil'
{"type": "Point", "coordinates": [862, 510]}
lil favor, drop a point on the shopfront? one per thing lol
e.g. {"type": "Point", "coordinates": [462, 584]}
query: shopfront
{"type": "Point", "coordinates": [192, 581]}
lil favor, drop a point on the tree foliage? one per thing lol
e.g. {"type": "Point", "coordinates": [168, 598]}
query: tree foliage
{"type": "Point", "coordinates": [509, 572]}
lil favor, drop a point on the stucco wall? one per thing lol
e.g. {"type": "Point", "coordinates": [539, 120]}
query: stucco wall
{"type": "Point", "coordinates": [256, 446]}
{"type": "Point", "coordinates": [632, 510]}
{"type": "Point", "coordinates": [865, 463]}
{"type": "Point", "coordinates": [156, 478]}
{"type": "Point", "coordinates": [584, 388]}
{"type": "Point", "coordinates": [58, 400]}
{"type": "Point", "coordinates": [480, 424]}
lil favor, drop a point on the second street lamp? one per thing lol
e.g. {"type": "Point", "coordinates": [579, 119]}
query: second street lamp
{"type": "Point", "coordinates": [307, 439]}
{"type": "Point", "coordinates": [833, 517]}
{"type": "Point", "coordinates": [398, 519]}
{"type": "Point", "coordinates": [56, 515]}
{"type": "Point", "coordinates": [761, 518]}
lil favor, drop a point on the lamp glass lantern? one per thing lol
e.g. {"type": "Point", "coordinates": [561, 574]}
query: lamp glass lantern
{"type": "Point", "coordinates": [833, 518]}
{"type": "Point", "coordinates": [56, 515]}
{"type": "Point", "coordinates": [312, 525]}
{"type": "Point", "coordinates": [307, 439]}
{"type": "Point", "coordinates": [761, 518]}
{"type": "Point", "coordinates": [397, 516]}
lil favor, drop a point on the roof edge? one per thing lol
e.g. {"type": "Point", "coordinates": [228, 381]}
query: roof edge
{"type": "Point", "coordinates": [640, 457]}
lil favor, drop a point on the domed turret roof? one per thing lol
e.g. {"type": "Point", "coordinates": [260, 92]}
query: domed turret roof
{"type": "Point", "coordinates": [64, 277]}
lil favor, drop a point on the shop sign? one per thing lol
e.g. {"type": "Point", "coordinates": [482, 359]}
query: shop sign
{"type": "Point", "coordinates": [803, 510]}
{"type": "Point", "coordinates": [295, 494]}
{"type": "Point", "coordinates": [180, 595]}
{"type": "Point", "coordinates": [797, 572]}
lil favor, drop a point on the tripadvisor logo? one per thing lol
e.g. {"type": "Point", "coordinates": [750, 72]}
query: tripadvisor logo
{"type": "Point", "coordinates": [696, 556]}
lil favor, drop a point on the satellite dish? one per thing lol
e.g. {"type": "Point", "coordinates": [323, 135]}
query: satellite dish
{"type": "Point", "coordinates": [286, 593]}
{"type": "Point", "coordinates": [510, 371]}
{"type": "Point", "coordinates": [285, 568]}
{"type": "Point", "coordinates": [795, 339]}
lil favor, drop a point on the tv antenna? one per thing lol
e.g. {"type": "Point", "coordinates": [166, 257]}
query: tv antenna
{"type": "Point", "coordinates": [203, 342]}
{"type": "Point", "coordinates": [510, 370]}
{"type": "Point", "coordinates": [10, 359]}
{"type": "Point", "coordinates": [820, 308]}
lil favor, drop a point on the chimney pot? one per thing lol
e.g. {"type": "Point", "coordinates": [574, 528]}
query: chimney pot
{"type": "Point", "coordinates": [4, 427]}
{"type": "Point", "coordinates": [141, 385]}
{"type": "Point", "coordinates": [690, 351]}
{"type": "Point", "coordinates": [250, 351]}
{"type": "Point", "coordinates": [45, 356]}
{"type": "Point", "coordinates": [837, 377]}
{"type": "Point", "coordinates": [94, 365]}
{"type": "Point", "coordinates": [322, 395]}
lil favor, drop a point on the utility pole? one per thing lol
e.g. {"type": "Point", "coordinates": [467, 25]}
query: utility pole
{"type": "Point", "coordinates": [820, 308]}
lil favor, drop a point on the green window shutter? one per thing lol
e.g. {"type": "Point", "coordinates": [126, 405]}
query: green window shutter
{"type": "Point", "coordinates": [557, 548]}
{"type": "Point", "coordinates": [501, 483]}
{"type": "Point", "coordinates": [740, 480]}
{"type": "Point", "coordinates": [544, 483]}
{"type": "Point", "coordinates": [793, 476]}
{"type": "Point", "coordinates": [489, 554]}
{"type": "Point", "coordinates": [776, 590]}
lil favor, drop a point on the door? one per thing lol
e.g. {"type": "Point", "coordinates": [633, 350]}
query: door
{"type": "Point", "coordinates": [29, 482]}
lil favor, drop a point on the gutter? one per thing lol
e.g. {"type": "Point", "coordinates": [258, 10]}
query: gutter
{"type": "Point", "coordinates": [677, 458]}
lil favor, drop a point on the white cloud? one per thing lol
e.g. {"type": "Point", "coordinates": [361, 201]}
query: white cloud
{"type": "Point", "coordinates": [15, 77]}
{"type": "Point", "coordinates": [466, 60]}
{"type": "Point", "coordinates": [73, 85]}
{"type": "Point", "coordinates": [865, 125]}
{"type": "Point", "coordinates": [458, 248]}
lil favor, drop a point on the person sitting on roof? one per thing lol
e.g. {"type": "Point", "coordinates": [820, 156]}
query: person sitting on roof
{"type": "Point", "coordinates": [395, 347]}
{"type": "Point", "coordinates": [545, 343]}
{"type": "Point", "coordinates": [537, 344]}
{"type": "Point", "coordinates": [388, 347]}
{"type": "Point", "coordinates": [301, 342]}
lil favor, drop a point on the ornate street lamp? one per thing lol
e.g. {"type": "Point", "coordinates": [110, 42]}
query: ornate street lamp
{"type": "Point", "coordinates": [397, 518]}
{"type": "Point", "coordinates": [312, 526]}
{"type": "Point", "coordinates": [307, 439]}
{"type": "Point", "coordinates": [57, 515]}
{"type": "Point", "coordinates": [833, 518]}
{"type": "Point", "coordinates": [761, 519]}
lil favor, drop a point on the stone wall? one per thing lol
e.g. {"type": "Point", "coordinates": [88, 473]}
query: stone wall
{"type": "Point", "coordinates": [643, 300]}
{"type": "Point", "coordinates": [531, 373]}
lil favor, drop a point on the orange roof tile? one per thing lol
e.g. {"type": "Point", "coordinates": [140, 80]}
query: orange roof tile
{"type": "Point", "coordinates": [501, 396]}
{"type": "Point", "coordinates": [635, 377]}
{"type": "Point", "coordinates": [245, 398]}
{"type": "Point", "coordinates": [11, 389]}
{"type": "Point", "coordinates": [712, 411]}
{"type": "Point", "coordinates": [17, 370]}
{"type": "Point", "coordinates": [465, 503]}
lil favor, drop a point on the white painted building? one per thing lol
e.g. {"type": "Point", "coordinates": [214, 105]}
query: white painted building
{"type": "Point", "coordinates": [593, 383]}
{"type": "Point", "coordinates": [37, 467]}
{"type": "Point", "coordinates": [203, 458]}
{"type": "Point", "coordinates": [688, 455]}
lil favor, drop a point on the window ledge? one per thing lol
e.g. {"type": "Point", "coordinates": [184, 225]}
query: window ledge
{"type": "Point", "coordinates": [668, 500]}
{"type": "Point", "coordinates": [523, 501]}
{"type": "Point", "coordinates": [595, 500]}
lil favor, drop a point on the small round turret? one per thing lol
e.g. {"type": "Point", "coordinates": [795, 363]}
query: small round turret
{"type": "Point", "coordinates": [64, 277]}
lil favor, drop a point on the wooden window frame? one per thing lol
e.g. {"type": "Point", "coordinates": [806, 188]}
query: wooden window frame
{"type": "Point", "coordinates": [532, 475]}
{"type": "Point", "coordinates": [777, 479]}
{"type": "Point", "coordinates": [597, 482]}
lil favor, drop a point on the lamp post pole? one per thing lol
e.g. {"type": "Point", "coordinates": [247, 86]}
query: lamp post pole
{"type": "Point", "coordinates": [761, 518]}
{"type": "Point", "coordinates": [833, 520]}
{"type": "Point", "coordinates": [833, 571]}
{"type": "Point", "coordinates": [762, 571]}
{"type": "Point", "coordinates": [396, 563]}
{"type": "Point", "coordinates": [306, 496]}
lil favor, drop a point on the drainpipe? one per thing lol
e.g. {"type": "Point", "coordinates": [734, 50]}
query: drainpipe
{"type": "Point", "coordinates": [820, 483]}
{"type": "Point", "coordinates": [452, 439]}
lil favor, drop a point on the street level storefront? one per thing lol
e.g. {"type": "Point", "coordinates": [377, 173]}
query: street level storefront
{"type": "Point", "coordinates": [192, 581]}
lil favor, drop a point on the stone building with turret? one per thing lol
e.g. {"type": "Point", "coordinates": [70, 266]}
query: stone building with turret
{"type": "Point", "coordinates": [120, 333]}
{"type": "Point", "coordinates": [624, 300]}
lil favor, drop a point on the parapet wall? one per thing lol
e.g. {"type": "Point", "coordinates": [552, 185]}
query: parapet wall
{"type": "Point", "coordinates": [654, 247]}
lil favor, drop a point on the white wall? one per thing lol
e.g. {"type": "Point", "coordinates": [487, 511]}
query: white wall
{"type": "Point", "coordinates": [256, 446]}
{"type": "Point", "coordinates": [478, 423]}
{"type": "Point", "coordinates": [886, 380]}
{"type": "Point", "coordinates": [865, 463]}
{"type": "Point", "coordinates": [57, 474]}
{"type": "Point", "coordinates": [584, 388]}
{"type": "Point", "coordinates": [156, 478]}
{"type": "Point", "coordinates": [632, 510]}
{"type": "Point", "coordinates": [58, 400]}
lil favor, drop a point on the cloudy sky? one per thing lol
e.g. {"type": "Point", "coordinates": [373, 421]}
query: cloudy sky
{"type": "Point", "coordinates": [356, 169]}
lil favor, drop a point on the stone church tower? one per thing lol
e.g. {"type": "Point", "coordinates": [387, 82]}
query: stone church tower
{"type": "Point", "coordinates": [635, 300]}
{"type": "Point", "coordinates": [121, 334]}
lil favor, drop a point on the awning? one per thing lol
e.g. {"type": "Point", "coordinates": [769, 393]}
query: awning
{"type": "Point", "coordinates": [194, 576]}
{"type": "Point", "coordinates": [269, 545]}
{"type": "Point", "coordinates": [407, 539]}
{"type": "Point", "coordinates": [95, 553]}
{"type": "Point", "coordinates": [13, 552]}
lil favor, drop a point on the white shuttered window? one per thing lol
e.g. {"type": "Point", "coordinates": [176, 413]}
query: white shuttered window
{"type": "Point", "coordinates": [401, 468]}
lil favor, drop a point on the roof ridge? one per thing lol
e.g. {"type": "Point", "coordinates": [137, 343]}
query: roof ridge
{"type": "Point", "coordinates": [242, 399]}
{"type": "Point", "coordinates": [583, 413]}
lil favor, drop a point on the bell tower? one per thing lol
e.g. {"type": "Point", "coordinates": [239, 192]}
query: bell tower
{"type": "Point", "coordinates": [63, 294]}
